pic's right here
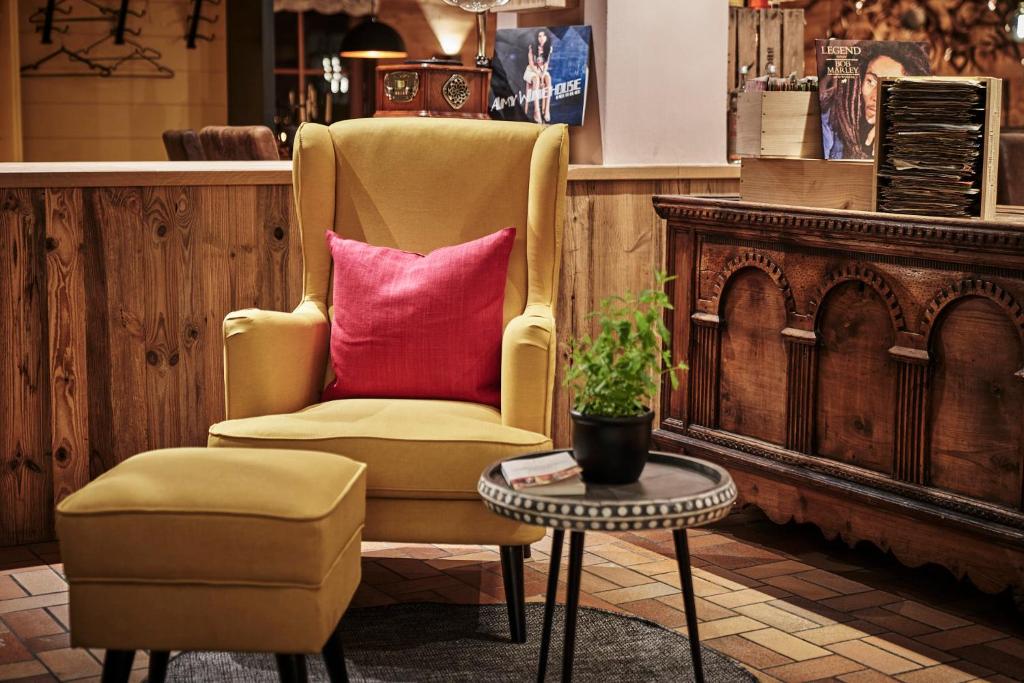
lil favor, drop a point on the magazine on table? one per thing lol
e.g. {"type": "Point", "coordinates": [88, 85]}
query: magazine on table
{"type": "Point", "coordinates": [556, 474]}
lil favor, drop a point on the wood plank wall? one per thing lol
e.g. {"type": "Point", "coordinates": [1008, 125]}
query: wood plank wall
{"type": "Point", "coordinates": [89, 118]}
{"type": "Point", "coordinates": [111, 302]}
{"type": "Point", "coordinates": [10, 83]}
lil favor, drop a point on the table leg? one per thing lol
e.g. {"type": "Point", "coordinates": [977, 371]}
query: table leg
{"type": "Point", "coordinates": [686, 578]}
{"type": "Point", "coordinates": [549, 602]}
{"type": "Point", "coordinates": [572, 602]}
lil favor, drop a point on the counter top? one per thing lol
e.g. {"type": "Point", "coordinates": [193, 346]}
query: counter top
{"type": "Point", "coordinates": [135, 173]}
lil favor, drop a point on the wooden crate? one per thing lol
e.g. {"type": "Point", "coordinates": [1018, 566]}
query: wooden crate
{"type": "Point", "coordinates": [534, 5]}
{"type": "Point", "coordinates": [809, 182]}
{"type": "Point", "coordinates": [755, 32]}
{"type": "Point", "coordinates": [990, 149]}
{"type": "Point", "coordinates": [778, 124]}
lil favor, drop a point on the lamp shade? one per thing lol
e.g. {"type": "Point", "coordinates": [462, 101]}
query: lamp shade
{"type": "Point", "coordinates": [373, 40]}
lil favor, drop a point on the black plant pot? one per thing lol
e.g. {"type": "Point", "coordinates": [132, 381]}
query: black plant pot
{"type": "Point", "coordinates": [611, 450]}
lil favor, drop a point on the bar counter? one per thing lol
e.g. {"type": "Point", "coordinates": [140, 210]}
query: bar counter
{"type": "Point", "coordinates": [860, 371]}
{"type": "Point", "coordinates": [115, 278]}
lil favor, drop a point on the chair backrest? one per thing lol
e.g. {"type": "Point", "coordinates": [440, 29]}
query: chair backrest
{"type": "Point", "coordinates": [183, 145]}
{"type": "Point", "coordinates": [239, 143]}
{"type": "Point", "coordinates": [1011, 169]}
{"type": "Point", "coordinates": [419, 183]}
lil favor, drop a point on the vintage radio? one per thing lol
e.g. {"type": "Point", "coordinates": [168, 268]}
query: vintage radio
{"type": "Point", "coordinates": [432, 88]}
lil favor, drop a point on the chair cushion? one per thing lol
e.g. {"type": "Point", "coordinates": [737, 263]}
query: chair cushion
{"type": "Point", "coordinates": [412, 326]}
{"type": "Point", "coordinates": [412, 448]}
{"type": "Point", "coordinates": [224, 516]}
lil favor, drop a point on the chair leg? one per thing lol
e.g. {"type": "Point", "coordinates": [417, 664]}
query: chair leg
{"type": "Point", "coordinates": [117, 666]}
{"type": "Point", "coordinates": [515, 595]}
{"type": "Point", "coordinates": [288, 668]}
{"type": "Point", "coordinates": [158, 666]}
{"type": "Point", "coordinates": [334, 657]}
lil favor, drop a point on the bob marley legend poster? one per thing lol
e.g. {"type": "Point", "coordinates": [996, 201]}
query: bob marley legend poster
{"type": "Point", "coordinates": [540, 74]}
{"type": "Point", "coordinates": [848, 74]}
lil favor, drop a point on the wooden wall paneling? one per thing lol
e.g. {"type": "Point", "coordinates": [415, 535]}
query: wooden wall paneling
{"type": "Point", "coordinates": [99, 360]}
{"type": "Point", "coordinates": [66, 314]}
{"type": "Point", "coordinates": [26, 488]}
{"type": "Point", "coordinates": [574, 299]}
{"type": "Point", "coordinates": [10, 84]}
{"type": "Point", "coordinates": [167, 219]}
{"type": "Point", "coordinates": [753, 358]}
{"type": "Point", "coordinates": [613, 242]}
{"type": "Point", "coordinates": [200, 400]}
{"type": "Point", "coordinates": [793, 24]}
{"type": "Point", "coordinates": [977, 432]}
{"type": "Point", "coordinates": [855, 415]}
{"type": "Point", "coordinates": [747, 39]}
{"type": "Point", "coordinates": [770, 42]}
{"type": "Point", "coordinates": [733, 68]}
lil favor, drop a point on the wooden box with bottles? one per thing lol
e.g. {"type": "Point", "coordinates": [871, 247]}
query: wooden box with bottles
{"type": "Point", "coordinates": [432, 89]}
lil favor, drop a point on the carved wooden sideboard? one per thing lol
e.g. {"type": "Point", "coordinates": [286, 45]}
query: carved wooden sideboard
{"type": "Point", "coordinates": [859, 371]}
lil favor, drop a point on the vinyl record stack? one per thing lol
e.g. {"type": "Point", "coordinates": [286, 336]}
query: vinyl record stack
{"type": "Point", "coordinates": [933, 153]}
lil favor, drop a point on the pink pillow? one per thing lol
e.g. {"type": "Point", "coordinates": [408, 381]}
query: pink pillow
{"type": "Point", "coordinates": [414, 326]}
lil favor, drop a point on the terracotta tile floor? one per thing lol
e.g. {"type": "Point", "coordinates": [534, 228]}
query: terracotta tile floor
{"type": "Point", "coordinates": [788, 604]}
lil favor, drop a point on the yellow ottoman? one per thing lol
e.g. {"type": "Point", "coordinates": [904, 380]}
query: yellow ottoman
{"type": "Point", "coordinates": [215, 549]}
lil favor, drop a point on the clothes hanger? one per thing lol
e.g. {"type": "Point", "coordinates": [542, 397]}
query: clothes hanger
{"type": "Point", "coordinates": [105, 66]}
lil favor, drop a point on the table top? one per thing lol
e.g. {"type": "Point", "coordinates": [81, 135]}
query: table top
{"type": "Point", "coordinates": [674, 491]}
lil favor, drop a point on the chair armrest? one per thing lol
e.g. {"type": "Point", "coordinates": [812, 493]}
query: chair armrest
{"type": "Point", "coordinates": [274, 362]}
{"type": "Point", "coordinates": [528, 370]}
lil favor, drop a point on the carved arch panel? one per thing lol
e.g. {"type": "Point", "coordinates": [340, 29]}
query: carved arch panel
{"type": "Point", "coordinates": [976, 429]}
{"type": "Point", "coordinates": [761, 262]}
{"type": "Point", "coordinates": [854, 414]}
{"type": "Point", "coordinates": [753, 310]}
{"type": "Point", "coordinates": [856, 272]}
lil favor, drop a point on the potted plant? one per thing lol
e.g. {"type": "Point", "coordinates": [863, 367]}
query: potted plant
{"type": "Point", "coordinates": [614, 377]}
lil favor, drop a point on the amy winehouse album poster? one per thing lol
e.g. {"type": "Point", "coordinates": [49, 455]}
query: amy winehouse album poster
{"type": "Point", "coordinates": [540, 74]}
{"type": "Point", "coordinates": [848, 73]}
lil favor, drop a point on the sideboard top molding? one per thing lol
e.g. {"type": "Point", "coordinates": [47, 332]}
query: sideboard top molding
{"type": "Point", "coordinates": [144, 173]}
{"type": "Point", "coordinates": [1005, 235]}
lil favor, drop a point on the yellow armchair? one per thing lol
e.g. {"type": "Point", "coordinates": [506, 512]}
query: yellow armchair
{"type": "Point", "coordinates": [413, 184]}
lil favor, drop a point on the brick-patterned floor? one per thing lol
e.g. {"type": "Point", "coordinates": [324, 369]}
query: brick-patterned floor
{"type": "Point", "coordinates": [786, 603]}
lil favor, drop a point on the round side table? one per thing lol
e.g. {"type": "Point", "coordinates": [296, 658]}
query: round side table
{"type": "Point", "coordinates": [674, 492]}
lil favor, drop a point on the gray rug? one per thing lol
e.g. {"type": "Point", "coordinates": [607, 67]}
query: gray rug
{"type": "Point", "coordinates": [436, 642]}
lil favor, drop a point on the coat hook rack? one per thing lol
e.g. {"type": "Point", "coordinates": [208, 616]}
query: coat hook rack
{"type": "Point", "coordinates": [56, 15]}
{"type": "Point", "coordinates": [192, 32]}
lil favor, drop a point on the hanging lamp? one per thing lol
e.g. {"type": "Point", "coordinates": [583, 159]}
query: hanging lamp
{"type": "Point", "coordinates": [372, 39]}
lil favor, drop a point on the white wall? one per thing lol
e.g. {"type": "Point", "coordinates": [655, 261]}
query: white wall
{"type": "Point", "coordinates": [663, 93]}
{"type": "Point", "coordinates": [660, 82]}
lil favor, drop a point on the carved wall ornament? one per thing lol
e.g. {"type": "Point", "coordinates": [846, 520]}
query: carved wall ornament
{"type": "Point", "coordinates": [856, 272]}
{"type": "Point", "coordinates": [761, 262]}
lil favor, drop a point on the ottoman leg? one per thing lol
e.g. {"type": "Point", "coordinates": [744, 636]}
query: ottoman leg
{"type": "Point", "coordinates": [158, 666]}
{"type": "Point", "coordinates": [515, 596]}
{"type": "Point", "coordinates": [117, 666]}
{"type": "Point", "coordinates": [334, 657]}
